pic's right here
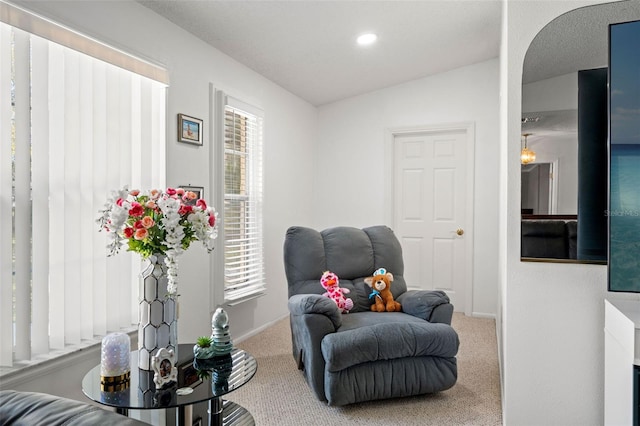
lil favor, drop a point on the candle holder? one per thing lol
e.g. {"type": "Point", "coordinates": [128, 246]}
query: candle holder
{"type": "Point", "coordinates": [115, 368]}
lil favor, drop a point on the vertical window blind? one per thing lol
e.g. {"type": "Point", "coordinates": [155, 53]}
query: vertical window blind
{"type": "Point", "coordinates": [72, 128]}
{"type": "Point", "coordinates": [242, 220]}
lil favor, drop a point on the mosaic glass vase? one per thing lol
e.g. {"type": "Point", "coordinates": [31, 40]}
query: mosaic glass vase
{"type": "Point", "coordinates": [157, 319]}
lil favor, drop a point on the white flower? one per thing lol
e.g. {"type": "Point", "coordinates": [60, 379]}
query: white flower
{"type": "Point", "coordinates": [173, 239]}
{"type": "Point", "coordinates": [113, 218]}
{"type": "Point", "coordinates": [119, 215]}
{"type": "Point", "coordinates": [171, 261]}
{"type": "Point", "coordinates": [199, 220]}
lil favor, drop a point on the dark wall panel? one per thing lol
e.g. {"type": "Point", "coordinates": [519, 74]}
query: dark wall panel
{"type": "Point", "coordinates": [592, 164]}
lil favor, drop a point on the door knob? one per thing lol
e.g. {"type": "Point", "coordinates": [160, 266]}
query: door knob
{"type": "Point", "coordinates": [459, 231]}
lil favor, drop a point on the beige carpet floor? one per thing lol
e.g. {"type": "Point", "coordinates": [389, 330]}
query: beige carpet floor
{"type": "Point", "coordinates": [279, 395]}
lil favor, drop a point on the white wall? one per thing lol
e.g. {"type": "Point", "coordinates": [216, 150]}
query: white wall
{"type": "Point", "coordinates": [551, 315]}
{"type": "Point", "coordinates": [351, 174]}
{"type": "Point", "coordinates": [290, 138]}
{"type": "Point", "coordinates": [556, 94]}
{"type": "Point", "coordinates": [552, 94]}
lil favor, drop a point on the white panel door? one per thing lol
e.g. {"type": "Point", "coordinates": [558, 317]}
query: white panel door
{"type": "Point", "coordinates": [429, 210]}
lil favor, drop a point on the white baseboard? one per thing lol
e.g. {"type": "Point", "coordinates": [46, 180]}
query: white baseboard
{"type": "Point", "coordinates": [258, 330]}
{"type": "Point", "coordinates": [483, 315]}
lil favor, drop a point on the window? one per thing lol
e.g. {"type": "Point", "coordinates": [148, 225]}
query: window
{"type": "Point", "coordinates": [242, 216]}
{"type": "Point", "coordinates": [72, 129]}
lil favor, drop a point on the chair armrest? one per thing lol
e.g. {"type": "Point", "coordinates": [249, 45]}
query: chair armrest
{"type": "Point", "coordinates": [301, 304]}
{"type": "Point", "coordinates": [432, 306]}
{"type": "Point", "coordinates": [312, 318]}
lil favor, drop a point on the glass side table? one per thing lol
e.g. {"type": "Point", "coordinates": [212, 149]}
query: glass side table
{"type": "Point", "coordinates": [198, 382]}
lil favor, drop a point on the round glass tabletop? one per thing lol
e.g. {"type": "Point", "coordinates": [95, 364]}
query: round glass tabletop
{"type": "Point", "coordinates": [197, 381]}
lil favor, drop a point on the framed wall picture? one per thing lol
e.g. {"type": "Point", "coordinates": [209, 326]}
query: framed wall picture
{"type": "Point", "coordinates": [198, 190]}
{"type": "Point", "coordinates": [189, 129]}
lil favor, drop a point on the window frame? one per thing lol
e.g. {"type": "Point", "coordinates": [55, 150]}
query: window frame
{"type": "Point", "coordinates": [221, 294]}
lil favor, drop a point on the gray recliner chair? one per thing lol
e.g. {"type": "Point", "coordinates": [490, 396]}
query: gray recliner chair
{"type": "Point", "coordinates": [363, 355]}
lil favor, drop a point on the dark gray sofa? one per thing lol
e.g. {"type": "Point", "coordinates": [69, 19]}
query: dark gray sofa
{"type": "Point", "coordinates": [364, 355]}
{"type": "Point", "coordinates": [33, 408]}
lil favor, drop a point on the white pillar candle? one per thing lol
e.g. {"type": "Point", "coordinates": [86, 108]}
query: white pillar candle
{"type": "Point", "coordinates": [115, 355]}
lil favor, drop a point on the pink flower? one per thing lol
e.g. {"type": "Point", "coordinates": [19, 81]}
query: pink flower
{"type": "Point", "coordinates": [180, 191]}
{"type": "Point", "coordinates": [128, 232]}
{"type": "Point", "coordinates": [150, 205]}
{"type": "Point", "coordinates": [184, 209]}
{"type": "Point", "coordinates": [119, 202]}
{"type": "Point", "coordinates": [136, 210]}
{"type": "Point", "coordinates": [212, 220]}
{"type": "Point", "coordinates": [154, 194]}
{"type": "Point", "coordinates": [189, 195]}
{"type": "Point", "coordinates": [148, 222]}
{"type": "Point", "coordinates": [134, 192]}
{"type": "Point", "coordinates": [171, 191]}
{"type": "Point", "coordinates": [202, 204]}
{"type": "Point", "coordinates": [141, 234]}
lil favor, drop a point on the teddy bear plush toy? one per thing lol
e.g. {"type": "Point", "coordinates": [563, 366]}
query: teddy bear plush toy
{"type": "Point", "coordinates": [380, 283]}
{"type": "Point", "coordinates": [331, 283]}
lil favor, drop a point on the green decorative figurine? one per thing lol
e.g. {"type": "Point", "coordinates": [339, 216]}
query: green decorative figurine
{"type": "Point", "coordinates": [220, 337]}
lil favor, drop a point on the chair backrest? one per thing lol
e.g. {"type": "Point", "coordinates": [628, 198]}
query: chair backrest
{"type": "Point", "coordinates": [351, 253]}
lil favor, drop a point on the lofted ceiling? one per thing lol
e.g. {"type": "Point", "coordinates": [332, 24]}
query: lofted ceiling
{"type": "Point", "coordinates": [577, 40]}
{"type": "Point", "coordinates": [308, 47]}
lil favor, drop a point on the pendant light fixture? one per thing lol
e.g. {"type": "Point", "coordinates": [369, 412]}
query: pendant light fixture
{"type": "Point", "coordinates": [526, 155]}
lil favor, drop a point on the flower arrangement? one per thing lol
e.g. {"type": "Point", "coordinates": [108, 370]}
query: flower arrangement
{"type": "Point", "coordinates": [160, 222]}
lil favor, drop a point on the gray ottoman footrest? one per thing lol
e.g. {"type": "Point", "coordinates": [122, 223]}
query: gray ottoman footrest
{"type": "Point", "coordinates": [390, 379]}
{"type": "Point", "coordinates": [379, 342]}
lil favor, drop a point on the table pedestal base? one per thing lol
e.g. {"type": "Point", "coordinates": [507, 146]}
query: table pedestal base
{"type": "Point", "coordinates": [185, 415]}
{"type": "Point", "coordinates": [228, 413]}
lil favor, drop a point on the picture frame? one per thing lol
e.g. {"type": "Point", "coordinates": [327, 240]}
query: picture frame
{"type": "Point", "coordinates": [164, 365]}
{"type": "Point", "coordinates": [198, 190]}
{"type": "Point", "coordinates": [189, 129]}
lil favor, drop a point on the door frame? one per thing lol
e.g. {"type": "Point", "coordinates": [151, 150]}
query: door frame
{"type": "Point", "coordinates": [469, 129]}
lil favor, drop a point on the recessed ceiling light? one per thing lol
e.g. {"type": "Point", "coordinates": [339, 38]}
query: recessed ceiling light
{"type": "Point", "coordinates": [366, 39]}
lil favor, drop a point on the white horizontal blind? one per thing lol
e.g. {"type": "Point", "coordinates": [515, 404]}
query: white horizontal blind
{"type": "Point", "coordinates": [72, 128]}
{"type": "Point", "coordinates": [243, 230]}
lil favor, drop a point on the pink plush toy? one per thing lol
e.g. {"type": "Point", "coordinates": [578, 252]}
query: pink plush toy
{"type": "Point", "coordinates": [331, 283]}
